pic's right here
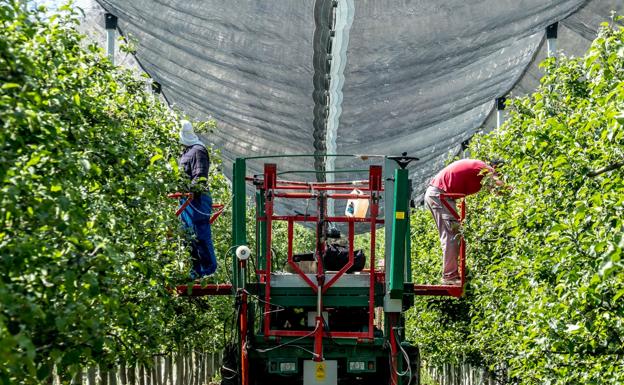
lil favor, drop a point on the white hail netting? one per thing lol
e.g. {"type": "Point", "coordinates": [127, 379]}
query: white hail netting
{"type": "Point", "coordinates": [405, 76]}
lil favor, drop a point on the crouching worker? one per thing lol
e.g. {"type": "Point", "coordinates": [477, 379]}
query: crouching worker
{"type": "Point", "coordinates": [194, 162]}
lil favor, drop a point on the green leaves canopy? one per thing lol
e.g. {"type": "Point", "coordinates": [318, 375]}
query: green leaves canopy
{"type": "Point", "coordinates": [87, 251]}
{"type": "Point", "coordinates": [546, 271]}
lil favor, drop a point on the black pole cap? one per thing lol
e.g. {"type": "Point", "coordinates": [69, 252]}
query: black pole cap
{"type": "Point", "coordinates": [403, 160]}
{"type": "Point", "coordinates": [156, 88]}
{"type": "Point", "coordinates": [500, 103]}
{"type": "Point", "coordinates": [551, 31]}
{"type": "Point", "coordinates": [110, 21]}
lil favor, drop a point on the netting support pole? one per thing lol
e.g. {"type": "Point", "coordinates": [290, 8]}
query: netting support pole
{"type": "Point", "coordinates": [110, 23]}
{"type": "Point", "coordinates": [500, 111]}
{"type": "Point", "coordinates": [551, 39]}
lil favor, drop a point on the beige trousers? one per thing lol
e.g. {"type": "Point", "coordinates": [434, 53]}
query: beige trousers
{"type": "Point", "coordinates": [448, 228]}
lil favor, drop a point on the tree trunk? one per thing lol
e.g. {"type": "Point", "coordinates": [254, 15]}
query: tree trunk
{"type": "Point", "coordinates": [77, 379]}
{"type": "Point", "coordinates": [123, 375]}
{"type": "Point", "coordinates": [156, 372]}
{"type": "Point", "coordinates": [170, 365]}
{"type": "Point", "coordinates": [196, 368]}
{"type": "Point", "coordinates": [142, 375]}
{"type": "Point", "coordinates": [203, 374]}
{"type": "Point", "coordinates": [166, 371]}
{"type": "Point", "coordinates": [91, 376]}
{"type": "Point", "coordinates": [189, 370]}
{"type": "Point", "coordinates": [149, 378]}
{"type": "Point", "coordinates": [179, 369]}
{"type": "Point", "coordinates": [112, 376]}
{"type": "Point", "coordinates": [211, 365]}
{"type": "Point", "coordinates": [103, 375]}
{"type": "Point", "coordinates": [132, 375]}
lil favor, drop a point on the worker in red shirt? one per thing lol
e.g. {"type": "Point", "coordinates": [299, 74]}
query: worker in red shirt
{"type": "Point", "coordinates": [463, 177]}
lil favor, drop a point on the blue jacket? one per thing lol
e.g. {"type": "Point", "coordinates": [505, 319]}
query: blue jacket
{"type": "Point", "coordinates": [195, 162]}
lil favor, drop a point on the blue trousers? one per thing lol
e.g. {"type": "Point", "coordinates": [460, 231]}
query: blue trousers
{"type": "Point", "coordinates": [196, 220]}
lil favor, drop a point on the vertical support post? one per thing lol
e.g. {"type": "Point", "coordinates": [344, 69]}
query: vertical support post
{"type": "Point", "coordinates": [318, 337]}
{"type": "Point", "coordinates": [389, 169]}
{"type": "Point", "coordinates": [239, 230]}
{"type": "Point", "coordinates": [110, 23]}
{"type": "Point", "coordinates": [291, 234]}
{"type": "Point", "coordinates": [500, 111]}
{"type": "Point", "coordinates": [551, 39]}
{"type": "Point", "coordinates": [270, 181]}
{"type": "Point", "coordinates": [399, 219]}
{"type": "Point", "coordinates": [234, 226]}
{"type": "Point", "coordinates": [261, 231]}
{"type": "Point", "coordinates": [408, 240]}
{"type": "Point", "coordinates": [388, 175]}
{"type": "Point", "coordinates": [374, 185]}
{"type": "Point", "coordinates": [321, 229]}
{"type": "Point", "coordinates": [394, 350]}
{"type": "Point", "coordinates": [243, 336]}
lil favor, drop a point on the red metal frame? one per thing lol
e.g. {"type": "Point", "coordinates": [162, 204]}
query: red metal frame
{"type": "Point", "coordinates": [309, 185]}
{"type": "Point", "coordinates": [270, 181]}
{"type": "Point", "coordinates": [279, 189]}
{"type": "Point", "coordinates": [243, 339]}
{"type": "Point", "coordinates": [362, 336]}
{"type": "Point", "coordinates": [309, 218]}
{"type": "Point", "coordinates": [376, 186]}
{"type": "Point", "coordinates": [320, 188]}
{"type": "Point", "coordinates": [313, 195]}
{"type": "Point", "coordinates": [216, 214]}
{"type": "Point", "coordinates": [292, 263]}
{"type": "Point", "coordinates": [447, 290]}
{"type": "Point", "coordinates": [394, 350]}
{"type": "Point", "coordinates": [318, 339]}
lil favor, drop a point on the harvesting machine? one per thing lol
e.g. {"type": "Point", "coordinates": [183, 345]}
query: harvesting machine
{"type": "Point", "coordinates": [310, 325]}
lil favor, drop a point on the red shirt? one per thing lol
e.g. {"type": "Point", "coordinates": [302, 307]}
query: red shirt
{"type": "Point", "coordinates": [461, 177]}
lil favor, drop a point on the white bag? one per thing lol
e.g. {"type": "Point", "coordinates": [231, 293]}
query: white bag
{"type": "Point", "coordinates": [357, 207]}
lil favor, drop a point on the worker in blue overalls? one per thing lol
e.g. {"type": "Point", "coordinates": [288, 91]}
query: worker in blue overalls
{"type": "Point", "coordinates": [194, 162]}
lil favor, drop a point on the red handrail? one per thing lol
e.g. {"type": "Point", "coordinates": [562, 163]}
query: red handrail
{"type": "Point", "coordinates": [270, 188]}
{"type": "Point", "coordinates": [216, 213]}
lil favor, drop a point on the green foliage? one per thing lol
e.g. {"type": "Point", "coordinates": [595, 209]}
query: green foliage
{"type": "Point", "coordinates": [546, 289]}
{"type": "Point", "coordinates": [87, 253]}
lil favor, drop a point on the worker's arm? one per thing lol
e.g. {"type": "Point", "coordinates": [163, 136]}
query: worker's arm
{"type": "Point", "coordinates": [498, 184]}
{"type": "Point", "coordinates": [501, 186]}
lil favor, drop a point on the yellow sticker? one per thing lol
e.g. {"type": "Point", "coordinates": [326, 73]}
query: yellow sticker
{"type": "Point", "coordinates": [320, 371]}
{"type": "Point", "coordinates": [400, 215]}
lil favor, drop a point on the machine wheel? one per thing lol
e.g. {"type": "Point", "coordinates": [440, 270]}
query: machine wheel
{"type": "Point", "coordinates": [414, 355]}
{"type": "Point", "coordinates": [230, 367]}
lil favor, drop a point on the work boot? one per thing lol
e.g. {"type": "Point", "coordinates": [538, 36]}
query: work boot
{"type": "Point", "coordinates": [451, 281]}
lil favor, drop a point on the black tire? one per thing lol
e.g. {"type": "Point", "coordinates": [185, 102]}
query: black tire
{"type": "Point", "coordinates": [230, 367]}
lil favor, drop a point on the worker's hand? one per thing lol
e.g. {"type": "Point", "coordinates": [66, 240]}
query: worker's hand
{"type": "Point", "coordinates": [504, 189]}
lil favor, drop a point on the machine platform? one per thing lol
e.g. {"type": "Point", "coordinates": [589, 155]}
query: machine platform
{"type": "Point", "coordinates": [358, 279]}
{"type": "Point", "coordinates": [439, 290]}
